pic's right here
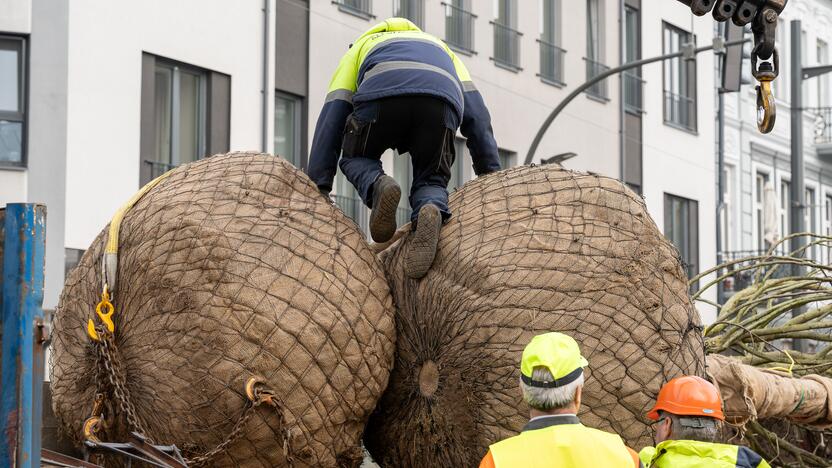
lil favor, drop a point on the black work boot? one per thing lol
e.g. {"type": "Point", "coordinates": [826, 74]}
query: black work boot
{"type": "Point", "coordinates": [423, 242]}
{"type": "Point", "coordinates": [386, 195]}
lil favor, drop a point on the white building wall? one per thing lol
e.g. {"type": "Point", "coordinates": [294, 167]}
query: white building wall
{"type": "Point", "coordinates": [680, 162]}
{"type": "Point", "coordinates": [106, 41]}
{"type": "Point", "coordinates": [674, 161]}
{"type": "Point", "coordinates": [518, 102]}
{"type": "Point", "coordinates": [748, 152]}
{"type": "Point", "coordinates": [15, 18]}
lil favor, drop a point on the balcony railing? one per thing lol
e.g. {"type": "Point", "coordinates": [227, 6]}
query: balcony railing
{"type": "Point", "coordinates": [403, 215]}
{"type": "Point", "coordinates": [680, 110]}
{"type": "Point", "coordinates": [354, 208]}
{"type": "Point", "coordinates": [350, 206]}
{"type": "Point", "coordinates": [823, 124]}
{"type": "Point", "coordinates": [506, 46]}
{"type": "Point", "coordinates": [411, 9]}
{"type": "Point", "coordinates": [742, 279]}
{"type": "Point", "coordinates": [157, 168]}
{"type": "Point", "coordinates": [551, 62]}
{"type": "Point", "coordinates": [593, 69]}
{"type": "Point", "coordinates": [633, 93]}
{"type": "Point", "coordinates": [459, 28]}
{"type": "Point", "coordinates": [361, 8]}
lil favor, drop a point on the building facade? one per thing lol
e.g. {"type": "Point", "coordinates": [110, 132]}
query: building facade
{"type": "Point", "coordinates": [107, 95]}
{"type": "Point", "coordinates": [98, 97]}
{"type": "Point", "coordinates": [757, 167]}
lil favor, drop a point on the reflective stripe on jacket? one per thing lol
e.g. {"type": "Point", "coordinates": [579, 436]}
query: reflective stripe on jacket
{"type": "Point", "coordinates": [564, 442]}
{"type": "Point", "coordinates": [692, 453]}
{"type": "Point", "coordinates": [396, 58]}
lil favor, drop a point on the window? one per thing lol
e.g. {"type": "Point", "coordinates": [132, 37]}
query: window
{"type": "Point", "coordinates": [804, 59]}
{"type": "Point", "coordinates": [414, 10]}
{"type": "Point", "coordinates": [287, 127]}
{"type": "Point", "coordinates": [781, 89]}
{"type": "Point", "coordinates": [507, 158]}
{"type": "Point", "coordinates": [632, 52]}
{"type": "Point", "coordinates": [12, 101]}
{"type": "Point", "coordinates": [823, 80]}
{"type": "Point", "coordinates": [459, 26]}
{"type": "Point", "coordinates": [727, 218]}
{"type": "Point", "coordinates": [810, 219]}
{"type": "Point", "coordinates": [457, 169]}
{"type": "Point", "coordinates": [594, 48]}
{"type": "Point", "coordinates": [551, 54]}
{"type": "Point", "coordinates": [759, 209]}
{"type": "Point", "coordinates": [180, 116]}
{"type": "Point", "coordinates": [348, 200]}
{"type": "Point", "coordinates": [71, 259]}
{"type": "Point", "coordinates": [506, 36]}
{"type": "Point", "coordinates": [360, 8]}
{"type": "Point", "coordinates": [827, 208]}
{"type": "Point", "coordinates": [679, 81]}
{"type": "Point", "coordinates": [681, 227]}
{"type": "Point", "coordinates": [785, 211]}
{"type": "Point", "coordinates": [403, 174]}
{"type": "Point", "coordinates": [185, 114]}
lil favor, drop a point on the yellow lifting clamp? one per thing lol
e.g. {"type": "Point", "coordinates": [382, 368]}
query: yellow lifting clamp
{"type": "Point", "coordinates": [766, 108]}
{"type": "Point", "coordinates": [95, 421]}
{"type": "Point", "coordinates": [256, 393]}
{"type": "Point", "coordinates": [105, 311]}
{"type": "Point", "coordinates": [109, 262]}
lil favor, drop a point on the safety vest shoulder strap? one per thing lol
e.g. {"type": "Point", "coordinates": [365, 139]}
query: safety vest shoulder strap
{"type": "Point", "coordinates": [565, 445]}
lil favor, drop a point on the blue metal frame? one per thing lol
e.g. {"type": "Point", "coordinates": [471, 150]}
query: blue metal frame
{"type": "Point", "coordinates": [22, 351]}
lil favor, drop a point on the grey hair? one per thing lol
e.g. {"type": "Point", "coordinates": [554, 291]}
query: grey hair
{"type": "Point", "coordinates": [544, 399]}
{"type": "Point", "coordinates": [703, 429]}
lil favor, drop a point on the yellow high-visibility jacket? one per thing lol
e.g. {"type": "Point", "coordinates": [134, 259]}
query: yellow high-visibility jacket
{"type": "Point", "coordinates": [692, 453]}
{"type": "Point", "coordinates": [560, 441]}
{"type": "Point", "coordinates": [395, 58]}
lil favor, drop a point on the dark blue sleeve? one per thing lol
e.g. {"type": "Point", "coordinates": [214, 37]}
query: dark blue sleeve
{"type": "Point", "coordinates": [747, 458]}
{"type": "Point", "coordinates": [476, 127]}
{"type": "Point", "coordinates": [326, 144]}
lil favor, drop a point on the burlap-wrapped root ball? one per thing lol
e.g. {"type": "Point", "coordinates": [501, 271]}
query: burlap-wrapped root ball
{"type": "Point", "coordinates": [531, 250]}
{"type": "Point", "coordinates": [234, 267]}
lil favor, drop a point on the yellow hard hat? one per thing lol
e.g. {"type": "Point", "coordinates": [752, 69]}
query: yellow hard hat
{"type": "Point", "coordinates": [557, 352]}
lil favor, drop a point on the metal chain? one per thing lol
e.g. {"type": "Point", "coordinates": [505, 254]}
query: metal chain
{"type": "Point", "coordinates": [110, 365]}
{"type": "Point", "coordinates": [109, 353]}
{"type": "Point", "coordinates": [261, 397]}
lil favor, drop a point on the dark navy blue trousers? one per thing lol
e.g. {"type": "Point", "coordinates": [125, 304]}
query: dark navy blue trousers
{"type": "Point", "coordinates": [423, 126]}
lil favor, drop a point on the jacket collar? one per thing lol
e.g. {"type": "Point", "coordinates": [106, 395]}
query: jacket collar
{"type": "Point", "coordinates": [542, 422]}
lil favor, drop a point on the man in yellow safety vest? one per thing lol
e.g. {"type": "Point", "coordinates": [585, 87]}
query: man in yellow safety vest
{"type": "Point", "coordinates": [688, 411]}
{"type": "Point", "coordinates": [551, 379]}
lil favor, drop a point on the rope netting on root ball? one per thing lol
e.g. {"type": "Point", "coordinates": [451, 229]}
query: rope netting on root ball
{"type": "Point", "coordinates": [531, 250]}
{"type": "Point", "coordinates": [231, 269]}
{"type": "Point", "coordinates": [777, 328]}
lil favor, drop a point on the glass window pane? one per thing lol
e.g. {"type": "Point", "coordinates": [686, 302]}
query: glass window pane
{"type": "Point", "coordinates": [9, 80]}
{"type": "Point", "coordinates": [285, 129]}
{"type": "Point", "coordinates": [11, 141]}
{"type": "Point", "coordinates": [593, 43]}
{"type": "Point", "coordinates": [189, 117]}
{"type": "Point", "coordinates": [162, 113]}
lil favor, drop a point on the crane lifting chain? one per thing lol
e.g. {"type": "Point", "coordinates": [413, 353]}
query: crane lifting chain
{"type": "Point", "coordinates": [763, 15]}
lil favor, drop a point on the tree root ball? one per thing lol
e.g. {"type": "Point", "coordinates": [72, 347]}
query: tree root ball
{"type": "Point", "coordinates": [527, 251]}
{"type": "Point", "coordinates": [234, 267]}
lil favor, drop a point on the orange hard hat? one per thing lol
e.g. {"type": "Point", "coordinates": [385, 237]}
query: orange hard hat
{"type": "Point", "coordinates": [688, 396]}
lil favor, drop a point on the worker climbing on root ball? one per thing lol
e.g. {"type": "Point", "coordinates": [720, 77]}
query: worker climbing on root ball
{"type": "Point", "coordinates": [398, 87]}
{"type": "Point", "coordinates": [689, 412]}
{"type": "Point", "coordinates": [552, 379]}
